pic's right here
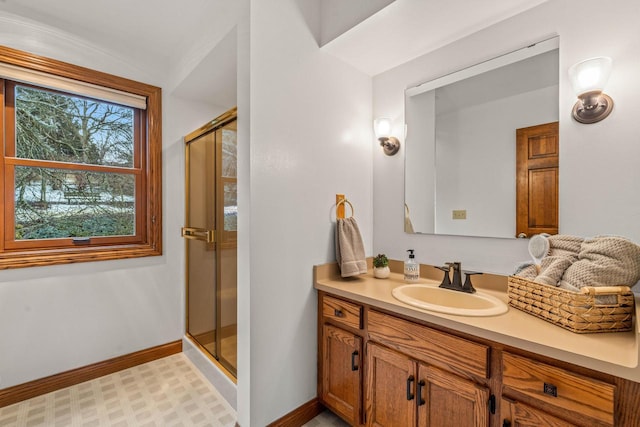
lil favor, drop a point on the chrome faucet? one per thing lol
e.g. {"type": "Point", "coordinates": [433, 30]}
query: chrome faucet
{"type": "Point", "coordinates": [457, 284]}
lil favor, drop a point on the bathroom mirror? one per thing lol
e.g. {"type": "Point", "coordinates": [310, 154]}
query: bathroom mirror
{"type": "Point", "coordinates": [460, 143]}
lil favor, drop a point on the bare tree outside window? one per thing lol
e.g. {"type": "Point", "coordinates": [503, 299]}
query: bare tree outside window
{"type": "Point", "coordinates": [66, 202]}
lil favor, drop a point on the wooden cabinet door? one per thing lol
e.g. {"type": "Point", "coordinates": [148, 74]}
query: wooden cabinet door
{"type": "Point", "coordinates": [341, 376]}
{"type": "Point", "coordinates": [391, 388]}
{"type": "Point", "coordinates": [515, 414]}
{"type": "Point", "coordinates": [445, 399]}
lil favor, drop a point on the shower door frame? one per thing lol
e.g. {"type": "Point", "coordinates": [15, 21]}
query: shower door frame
{"type": "Point", "coordinates": [217, 239]}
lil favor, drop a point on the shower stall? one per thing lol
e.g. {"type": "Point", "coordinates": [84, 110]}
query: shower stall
{"type": "Point", "coordinates": [210, 234]}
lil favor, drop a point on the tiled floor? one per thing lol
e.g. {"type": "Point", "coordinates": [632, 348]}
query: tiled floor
{"type": "Point", "coordinates": [165, 392]}
{"type": "Point", "coordinates": [326, 419]}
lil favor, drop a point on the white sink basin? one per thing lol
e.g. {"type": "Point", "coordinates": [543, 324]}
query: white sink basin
{"type": "Point", "coordinates": [433, 298]}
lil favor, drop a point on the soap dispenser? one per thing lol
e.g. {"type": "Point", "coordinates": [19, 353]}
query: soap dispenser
{"type": "Point", "coordinates": [411, 268]}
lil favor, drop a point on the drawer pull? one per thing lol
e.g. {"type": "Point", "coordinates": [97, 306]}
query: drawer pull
{"type": "Point", "coordinates": [354, 367]}
{"type": "Point", "coordinates": [550, 390]}
{"type": "Point", "coordinates": [338, 313]}
{"type": "Point", "coordinates": [410, 387]}
{"type": "Point", "coordinates": [421, 384]}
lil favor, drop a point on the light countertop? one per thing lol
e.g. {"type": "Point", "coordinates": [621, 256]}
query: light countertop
{"type": "Point", "coordinates": [615, 353]}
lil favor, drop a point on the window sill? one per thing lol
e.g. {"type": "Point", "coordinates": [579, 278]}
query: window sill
{"type": "Point", "coordinates": [60, 256]}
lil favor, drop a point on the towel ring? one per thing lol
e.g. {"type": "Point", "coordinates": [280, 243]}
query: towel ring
{"type": "Point", "coordinates": [345, 201]}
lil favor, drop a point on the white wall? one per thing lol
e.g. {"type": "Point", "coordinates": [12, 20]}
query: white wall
{"type": "Point", "coordinates": [311, 138]}
{"type": "Point", "coordinates": [244, 222]}
{"type": "Point", "coordinates": [304, 133]}
{"type": "Point", "coordinates": [420, 159]}
{"type": "Point", "coordinates": [57, 318]}
{"type": "Point", "coordinates": [476, 162]}
{"type": "Point", "coordinates": [598, 162]}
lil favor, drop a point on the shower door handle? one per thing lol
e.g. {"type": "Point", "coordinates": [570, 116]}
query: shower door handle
{"type": "Point", "coordinates": [199, 234]}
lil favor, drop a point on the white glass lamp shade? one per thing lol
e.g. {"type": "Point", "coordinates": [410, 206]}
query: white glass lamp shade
{"type": "Point", "coordinates": [588, 78]}
{"type": "Point", "coordinates": [382, 127]}
{"type": "Point", "coordinates": [390, 144]}
{"type": "Point", "coordinates": [590, 75]}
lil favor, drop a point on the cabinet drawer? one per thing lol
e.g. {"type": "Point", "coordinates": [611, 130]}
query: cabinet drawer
{"type": "Point", "coordinates": [451, 353]}
{"type": "Point", "coordinates": [558, 387]}
{"type": "Point", "coordinates": [343, 312]}
{"type": "Point", "coordinates": [521, 415]}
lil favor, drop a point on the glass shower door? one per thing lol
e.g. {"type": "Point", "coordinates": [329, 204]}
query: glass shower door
{"type": "Point", "coordinates": [211, 232]}
{"type": "Point", "coordinates": [227, 225]}
{"type": "Point", "coordinates": [201, 248]}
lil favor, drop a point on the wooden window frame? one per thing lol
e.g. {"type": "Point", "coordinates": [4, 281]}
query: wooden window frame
{"type": "Point", "coordinates": [148, 238]}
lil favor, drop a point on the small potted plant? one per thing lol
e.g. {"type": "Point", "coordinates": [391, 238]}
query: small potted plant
{"type": "Point", "coordinates": [381, 266]}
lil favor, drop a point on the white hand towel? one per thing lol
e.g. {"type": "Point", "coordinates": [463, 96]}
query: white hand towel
{"type": "Point", "coordinates": [604, 261]}
{"type": "Point", "coordinates": [563, 251]}
{"type": "Point", "coordinates": [349, 248]}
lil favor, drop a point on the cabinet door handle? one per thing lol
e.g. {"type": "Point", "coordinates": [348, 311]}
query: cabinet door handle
{"type": "Point", "coordinates": [421, 384]}
{"type": "Point", "coordinates": [506, 423]}
{"type": "Point", "coordinates": [354, 367]}
{"type": "Point", "coordinates": [410, 387]}
{"type": "Point", "coordinates": [492, 403]}
{"type": "Point", "coordinates": [338, 313]}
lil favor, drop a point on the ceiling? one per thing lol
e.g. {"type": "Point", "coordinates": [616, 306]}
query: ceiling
{"type": "Point", "coordinates": [407, 29]}
{"type": "Point", "coordinates": [181, 39]}
{"type": "Point", "coordinates": [526, 75]}
{"type": "Point", "coordinates": [176, 39]}
{"type": "Point", "coordinates": [159, 30]}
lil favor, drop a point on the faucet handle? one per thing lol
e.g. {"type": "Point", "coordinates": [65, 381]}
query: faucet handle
{"type": "Point", "coordinates": [468, 287]}
{"type": "Point", "coordinates": [455, 265]}
{"type": "Point", "coordinates": [446, 280]}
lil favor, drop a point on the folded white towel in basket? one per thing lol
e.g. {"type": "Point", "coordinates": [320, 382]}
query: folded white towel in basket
{"type": "Point", "coordinates": [349, 248]}
{"type": "Point", "coordinates": [604, 261]}
{"type": "Point", "coordinates": [563, 251]}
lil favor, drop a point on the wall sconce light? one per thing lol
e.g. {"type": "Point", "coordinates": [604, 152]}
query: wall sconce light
{"type": "Point", "coordinates": [390, 144]}
{"type": "Point", "coordinates": [588, 79]}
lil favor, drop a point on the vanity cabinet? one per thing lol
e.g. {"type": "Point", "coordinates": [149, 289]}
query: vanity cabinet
{"type": "Point", "coordinates": [342, 356]}
{"type": "Point", "coordinates": [401, 391]}
{"type": "Point", "coordinates": [379, 368]}
{"type": "Point", "coordinates": [423, 377]}
{"type": "Point", "coordinates": [340, 386]}
{"type": "Point", "coordinates": [411, 374]}
{"type": "Point", "coordinates": [391, 388]}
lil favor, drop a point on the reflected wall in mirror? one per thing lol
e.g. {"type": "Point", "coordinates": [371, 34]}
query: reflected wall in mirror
{"type": "Point", "coordinates": [460, 148]}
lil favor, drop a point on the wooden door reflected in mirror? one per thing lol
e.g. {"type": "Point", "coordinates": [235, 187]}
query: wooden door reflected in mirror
{"type": "Point", "coordinates": [537, 168]}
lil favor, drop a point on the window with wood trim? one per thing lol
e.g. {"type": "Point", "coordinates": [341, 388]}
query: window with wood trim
{"type": "Point", "coordinates": [81, 164]}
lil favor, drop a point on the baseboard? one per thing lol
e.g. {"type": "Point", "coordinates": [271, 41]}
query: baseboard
{"type": "Point", "coordinates": [300, 415]}
{"type": "Point", "coordinates": [20, 392]}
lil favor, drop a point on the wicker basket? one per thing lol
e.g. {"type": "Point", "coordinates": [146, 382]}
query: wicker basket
{"type": "Point", "coordinates": [579, 312]}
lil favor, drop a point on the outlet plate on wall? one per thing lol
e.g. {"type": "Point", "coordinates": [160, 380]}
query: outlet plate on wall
{"type": "Point", "coordinates": [459, 214]}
